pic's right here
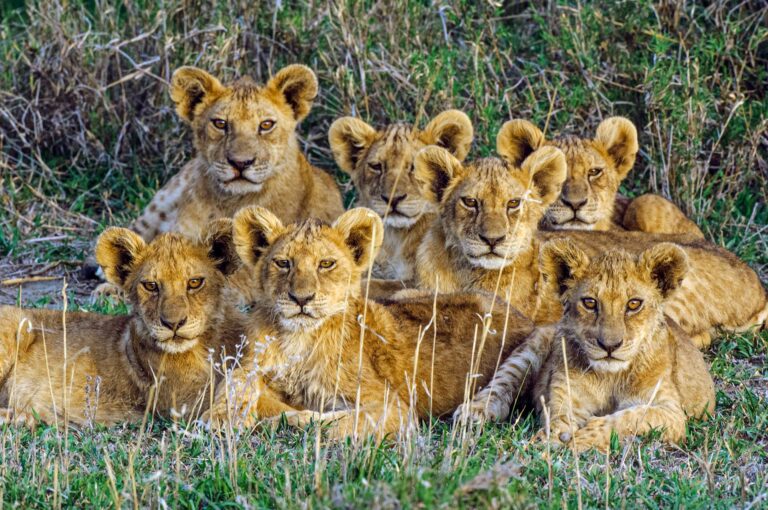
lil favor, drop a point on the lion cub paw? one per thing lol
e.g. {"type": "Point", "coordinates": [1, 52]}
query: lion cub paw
{"type": "Point", "coordinates": [10, 416]}
{"type": "Point", "coordinates": [107, 291]}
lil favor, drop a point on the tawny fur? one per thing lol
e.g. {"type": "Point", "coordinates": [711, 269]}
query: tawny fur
{"type": "Point", "coordinates": [720, 291]}
{"type": "Point", "coordinates": [92, 368]}
{"type": "Point", "coordinates": [380, 163]}
{"type": "Point", "coordinates": [314, 359]}
{"type": "Point", "coordinates": [629, 370]}
{"type": "Point", "coordinates": [277, 176]}
{"type": "Point", "coordinates": [589, 199]}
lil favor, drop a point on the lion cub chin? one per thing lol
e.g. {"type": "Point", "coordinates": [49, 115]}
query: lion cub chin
{"type": "Point", "coordinates": [614, 362]}
{"type": "Point", "coordinates": [92, 368]}
{"type": "Point", "coordinates": [321, 351]}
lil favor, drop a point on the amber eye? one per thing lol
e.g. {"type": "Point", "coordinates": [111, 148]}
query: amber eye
{"type": "Point", "coordinates": [469, 202]}
{"type": "Point", "coordinates": [376, 167]}
{"type": "Point", "coordinates": [327, 263]}
{"type": "Point", "coordinates": [634, 305]}
{"type": "Point", "coordinates": [195, 283]}
{"type": "Point", "coordinates": [219, 124]}
{"type": "Point", "coordinates": [282, 263]}
{"type": "Point", "coordinates": [594, 172]}
{"type": "Point", "coordinates": [513, 204]}
{"type": "Point", "coordinates": [266, 125]}
{"type": "Point", "coordinates": [150, 286]}
{"type": "Point", "coordinates": [589, 303]}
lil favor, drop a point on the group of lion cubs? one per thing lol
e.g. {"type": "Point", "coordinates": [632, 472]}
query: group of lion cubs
{"type": "Point", "coordinates": [518, 274]}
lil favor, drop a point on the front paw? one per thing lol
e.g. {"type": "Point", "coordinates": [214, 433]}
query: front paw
{"type": "Point", "coordinates": [595, 434]}
{"type": "Point", "coordinates": [107, 291]}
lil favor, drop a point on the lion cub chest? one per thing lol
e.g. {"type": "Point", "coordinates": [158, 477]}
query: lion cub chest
{"type": "Point", "coordinates": [304, 372]}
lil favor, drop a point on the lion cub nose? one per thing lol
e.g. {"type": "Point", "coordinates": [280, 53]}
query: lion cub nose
{"type": "Point", "coordinates": [301, 300]}
{"type": "Point", "coordinates": [492, 241]}
{"type": "Point", "coordinates": [574, 204]}
{"type": "Point", "coordinates": [173, 325]}
{"type": "Point", "coordinates": [395, 200]}
{"type": "Point", "coordinates": [240, 165]}
{"type": "Point", "coordinates": [609, 345]}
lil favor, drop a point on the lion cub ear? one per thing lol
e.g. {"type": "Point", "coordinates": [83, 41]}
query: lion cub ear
{"type": "Point", "coordinates": [518, 139]}
{"type": "Point", "coordinates": [192, 87]}
{"type": "Point", "coordinates": [450, 130]}
{"type": "Point", "coordinates": [298, 86]}
{"type": "Point", "coordinates": [363, 233]}
{"type": "Point", "coordinates": [255, 230]}
{"type": "Point", "coordinates": [350, 138]}
{"type": "Point", "coordinates": [547, 170]}
{"type": "Point", "coordinates": [666, 265]}
{"type": "Point", "coordinates": [117, 250]}
{"type": "Point", "coordinates": [561, 262]}
{"type": "Point", "coordinates": [221, 246]}
{"type": "Point", "coordinates": [435, 170]}
{"type": "Point", "coordinates": [619, 138]}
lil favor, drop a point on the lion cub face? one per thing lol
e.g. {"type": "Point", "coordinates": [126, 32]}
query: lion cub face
{"type": "Point", "coordinates": [596, 167]}
{"type": "Point", "coordinates": [307, 271]}
{"type": "Point", "coordinates": [172, 283]}
{"type": "Point", "coordinates": [381, 162]}
{"type": "Point", "coordinates": [489, 208]}
{"type": "Point", "coordinates": [242, 129]}
{"type": "Point", "coordinates": [613, 303]}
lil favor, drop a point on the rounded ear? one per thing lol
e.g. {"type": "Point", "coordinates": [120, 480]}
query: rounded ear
{"type": "Point", "coordinates": [435, 169]}
{"type": "Point", "coordinates": [561, 261]}
{"type": "Point", "coordinates": [619, 138]}
{"type": "Point", "coordinates": [363, 232]}
{"type": "Point", "coordinates": [517, 139]}
{"type": "Point", "coordinates": [450, 130]}
{"type": "Point", "coordinates": [298, 86]}
{"type": "Point", "coordinates": [666, 265]}
{"type": "Point", "coordinates": [221, 246]}
{"type": "Point", "coordinates": [547, 170]}
{"type": "Point", "coordinates": [350, 138]}
{"type": "Point", "coordinates": [192, 87]}
{"type": "Point", "coordinates": [117, 250]}
{"type": "Point", "coordinates": [255, 229]}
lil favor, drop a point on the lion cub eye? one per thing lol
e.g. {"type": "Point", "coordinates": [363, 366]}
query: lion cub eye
{"type": "Point", "coordinates": [219, 124]}
{"type": "Point", "coordinates": [594, 172]}
{"type": "Point", "coordinates": [327, 264]}
{"type": "Point", "coordinates": [266, 125]}
{"type": "Point", "coordinates": [634, 305]}
{"type": "Point", "coordinates": [282, 263]}
{"type": "Point", "coordinates": [375, 167]}
{"type": "Point", "coordinates": [150, 286]}
{"type": "Point", "coordinates": [468, 202]}
{"type": "Point", "coordinates": [195, 283]}
{"type": "Point", "coordinates": [513, 204]}
{"type": "Point", "coordinates": [589, 303]}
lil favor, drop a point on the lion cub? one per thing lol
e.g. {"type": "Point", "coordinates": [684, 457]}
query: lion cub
{"type": "Point", "coordinates": [321, 351]}
{"type": "Point", "coordinates": [247, 153]}
{"type": "Point", "coordinates": [380, 163]}
{"type": "Point", "coordinates": [629, 368]}
{"type": "Point", "coordinates": [589, 199]}
{"type": "Point", "coordinates": [91, 368]}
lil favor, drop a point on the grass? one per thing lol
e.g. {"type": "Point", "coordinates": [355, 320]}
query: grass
{"type": "Point", "coordinates": [88, 133]}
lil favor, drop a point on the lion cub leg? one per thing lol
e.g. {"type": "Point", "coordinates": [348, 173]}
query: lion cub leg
{"type": "Point", "coordinates": [655, 214]}
{"type": "Point", "coordinates": [16, 334]}
{"type": "Point", "coordinates": [664, 414]}
{"type": "Point", "coordinates": [495, 401]}
{"type": "Point", "coordinates": [243, 401]}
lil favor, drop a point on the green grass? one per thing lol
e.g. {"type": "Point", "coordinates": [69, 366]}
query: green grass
{"type": "Point", "coordinates": [83, 147]}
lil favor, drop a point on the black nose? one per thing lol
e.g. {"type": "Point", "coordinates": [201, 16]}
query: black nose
{"type": "Point", "coordinates": [240, 165]}
{"type": "Point", "coordinates": [173, 325]}
{"type": "Point", "coordinates": [395, 200]}
{"type": "Point", "coordinates": [301, 300]}
{"type": "Point", "coordinates": [574, 204]}
{"type": "Point", "coordinates": [492, 241]}
{"type": "Point", "coordinates": [609, 346]}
